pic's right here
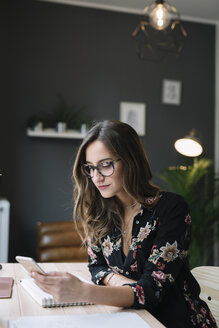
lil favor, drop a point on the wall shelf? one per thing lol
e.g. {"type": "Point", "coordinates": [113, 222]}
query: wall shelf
{"type": "Point", "coordinates": [52, 133]}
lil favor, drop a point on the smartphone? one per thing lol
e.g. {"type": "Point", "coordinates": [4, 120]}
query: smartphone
{"type": "Point", "coordinates": [29, 264]}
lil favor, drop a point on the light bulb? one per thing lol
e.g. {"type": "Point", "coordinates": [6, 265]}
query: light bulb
{"type": "Point", "coordinates": [160, 17]}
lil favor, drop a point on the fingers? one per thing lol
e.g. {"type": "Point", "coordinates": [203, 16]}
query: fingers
{"type": "Point", "coordinates": [45, 279]}
{"type": "Point", "coordinates": [63, 286]}
{"type": "Point", "coordinates": [51, 273]}
{"type": "Point", "coordinates": [51, 278]}
{"type": "Point", "coordinates": [56, 274]}
{"type": "Point", "coordinates": [51, 283]}
{"type": "Point", "coordinates": [45, 288]}
{"type": "Point", "coordinates": [55, 283]}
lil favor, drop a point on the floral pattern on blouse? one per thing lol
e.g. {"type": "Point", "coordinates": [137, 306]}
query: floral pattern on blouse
{"type": "Point", "coordinates": [107, 247]}
{"type": "Point", "coordinates": [139, 291]}
{"type": "Point", "coordinates": [200, 317]}
{"type": "Point", "coordinates": [169, 252]}
{"type": "Point", "coordinates": [158, 261]}
{"type": "Point", "coordinates": [144, 232]}
{"type": "Point", "coordinates": [92, 251]}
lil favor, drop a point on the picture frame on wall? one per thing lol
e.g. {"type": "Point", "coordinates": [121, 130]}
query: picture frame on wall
{"type": "Point", "coordinates": [134, 114]}
{"type": "Point", "coordinates": [171, 92]}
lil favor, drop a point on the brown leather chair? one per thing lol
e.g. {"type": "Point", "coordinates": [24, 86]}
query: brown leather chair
{"type": "Point", "coordinates": [59, 242]}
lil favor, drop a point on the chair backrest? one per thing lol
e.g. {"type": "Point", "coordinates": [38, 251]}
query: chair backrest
{"type": "Point", "coordinates": [59, 242]}
{"type": "Point", "coordinates": [208, 279]}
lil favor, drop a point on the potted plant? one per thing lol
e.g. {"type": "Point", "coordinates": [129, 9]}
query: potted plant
{"type": "Point", "coordinates": [64, 116]}
{"type": "Point", "coordinates": [199, 187]}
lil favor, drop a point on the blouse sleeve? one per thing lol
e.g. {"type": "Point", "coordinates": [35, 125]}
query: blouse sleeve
{"type": "Point", "coordinates": [97, 264]}
{"type": "Point", "coordinates": [168, 254]}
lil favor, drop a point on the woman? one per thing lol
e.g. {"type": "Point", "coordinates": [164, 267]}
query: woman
{"type": "Point", "coordinates": [137, 236]}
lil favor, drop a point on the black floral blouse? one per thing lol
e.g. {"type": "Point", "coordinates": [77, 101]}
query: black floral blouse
{"type": "Point", "coordinates": [157, 260]}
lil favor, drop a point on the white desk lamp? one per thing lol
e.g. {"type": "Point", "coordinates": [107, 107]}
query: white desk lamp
{"type": "Point", "coordinates": [189, 146]}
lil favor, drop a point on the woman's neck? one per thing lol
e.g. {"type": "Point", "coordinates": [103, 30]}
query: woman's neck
{"type": "Point", "coordinates": [126, 200]}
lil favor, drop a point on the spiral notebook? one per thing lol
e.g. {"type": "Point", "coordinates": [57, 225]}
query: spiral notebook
{"type": "Point", "coordinates": [44, 299]}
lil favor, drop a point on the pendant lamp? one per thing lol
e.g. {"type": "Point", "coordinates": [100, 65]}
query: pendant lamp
{"type": "Point", "coordinates": [159, 31]}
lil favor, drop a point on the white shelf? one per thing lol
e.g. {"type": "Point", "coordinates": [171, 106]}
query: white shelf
{"type": "Point", "coordinates": [52, 133]}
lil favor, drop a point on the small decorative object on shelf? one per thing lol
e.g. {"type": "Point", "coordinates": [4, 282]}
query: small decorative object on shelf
{"type": "Point", "coordinates": [35, 123]}
{"type": "Point", "coordinates": [38, 127]}
{"type": "Point", "coordinates": [83, 128]}
{"type": "Point", "coordinates": [61, 127]}
{"type": "Point", "coordinates": [53, 133]}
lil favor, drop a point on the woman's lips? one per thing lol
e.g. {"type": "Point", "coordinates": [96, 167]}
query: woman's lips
{"type": "Point", "coordinates": [102, 187]}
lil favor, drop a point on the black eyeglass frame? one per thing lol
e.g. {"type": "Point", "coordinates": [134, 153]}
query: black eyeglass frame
{"type": "Point", "coordinates": [97, 168]}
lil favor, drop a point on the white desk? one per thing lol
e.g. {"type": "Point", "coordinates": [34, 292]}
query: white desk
{"type": "Point", "coordinates": [22, 304]}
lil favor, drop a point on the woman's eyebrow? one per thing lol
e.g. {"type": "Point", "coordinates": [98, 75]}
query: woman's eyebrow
{"type": "Point", "coordinates": [101, 160]}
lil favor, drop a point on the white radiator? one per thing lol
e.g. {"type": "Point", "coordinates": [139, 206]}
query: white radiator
{"type": "Point", "coordinates": [4, 229]}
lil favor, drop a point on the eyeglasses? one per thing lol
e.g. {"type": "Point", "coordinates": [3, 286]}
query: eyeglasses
{"type": "Point", "coordinates": [105, 168]}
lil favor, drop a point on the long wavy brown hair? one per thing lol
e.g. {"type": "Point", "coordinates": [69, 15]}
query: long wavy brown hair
{"type": "Point", "coordinates": [99, 215]}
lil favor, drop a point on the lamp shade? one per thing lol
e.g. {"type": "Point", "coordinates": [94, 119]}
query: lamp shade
{"type": "Point", "coordinates": [159, 31]}
{"type": "Point", "coordinates": [189, 145]}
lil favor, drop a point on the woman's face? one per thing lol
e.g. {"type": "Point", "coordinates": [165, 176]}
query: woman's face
{"type": "Point", "coordinates": [97, 153]}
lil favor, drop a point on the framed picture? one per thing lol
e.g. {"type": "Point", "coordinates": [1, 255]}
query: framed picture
{"type": "Point", "coordinates": [171, 92]}
{"type": "Point", "coordinates": [135, 115]}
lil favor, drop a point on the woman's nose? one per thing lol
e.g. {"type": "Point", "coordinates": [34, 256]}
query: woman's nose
{"type": "Point", "coordinates": [97, 176]}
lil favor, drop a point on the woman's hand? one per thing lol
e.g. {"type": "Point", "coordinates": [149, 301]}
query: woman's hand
{"type": "Point", "coordinates": [63, 286]}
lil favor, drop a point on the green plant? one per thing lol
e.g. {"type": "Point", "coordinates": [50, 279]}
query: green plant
{"type": "Point", "coordinates": [199, 187]}
{"type": "Point", "coordinates": [62, 112]}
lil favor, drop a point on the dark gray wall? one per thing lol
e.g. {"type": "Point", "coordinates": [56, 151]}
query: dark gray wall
{"type": "Point", "coordinates": [89, 56]}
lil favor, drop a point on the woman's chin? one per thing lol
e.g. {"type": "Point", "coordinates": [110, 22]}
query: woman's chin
{"type": "Point", "coordinates": [106, 194]}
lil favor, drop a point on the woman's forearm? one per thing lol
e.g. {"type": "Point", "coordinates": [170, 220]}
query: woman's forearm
{"type": "Point", "coordinates": [114, 279]}
{"type": "Point", "coordinates": [122, 296]}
